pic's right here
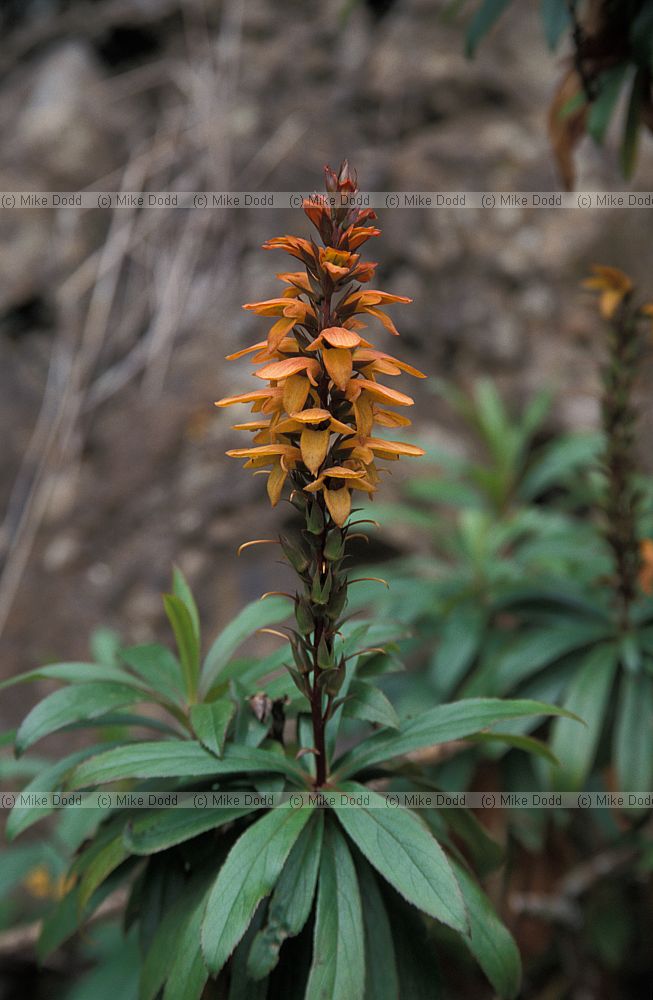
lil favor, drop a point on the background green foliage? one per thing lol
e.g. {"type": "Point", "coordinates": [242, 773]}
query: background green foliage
{"type": "Point", "coordinates": [611, 46]}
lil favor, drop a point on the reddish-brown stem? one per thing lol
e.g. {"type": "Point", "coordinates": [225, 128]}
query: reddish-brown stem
{"type": "Point", "coordinates": [319, 732]}
{"type": "Point", "coordinates": [318, 717]}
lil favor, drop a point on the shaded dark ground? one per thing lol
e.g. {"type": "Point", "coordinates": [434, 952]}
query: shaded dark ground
{"type": "Point", "coordinates": [114, 329]}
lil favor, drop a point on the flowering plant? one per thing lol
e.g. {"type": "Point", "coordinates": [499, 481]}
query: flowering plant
{"type": "Point", "coordinates": [318, 414]}
{"type": "Point", "coordinates": [354, 891]}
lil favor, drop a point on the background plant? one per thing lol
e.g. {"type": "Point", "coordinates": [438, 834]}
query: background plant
{"type": "Point", "coordinates": [505, 529]}
{"type": "Point", "coordinates": [561, 613]}
{"type": "Point", "coordinates": [611, 49]}
{"type": "Point", "coordinates": [548, 599]}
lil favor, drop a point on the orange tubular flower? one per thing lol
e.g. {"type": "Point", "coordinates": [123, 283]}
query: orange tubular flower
{"type": "Point", "coordinates": [614, 286]}
{"type": "Point", "coordinates": [324, 392]}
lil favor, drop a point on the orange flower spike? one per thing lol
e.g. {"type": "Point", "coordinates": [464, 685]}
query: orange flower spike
{"type": "Point", "coordinates": [315, 434]}
{"type": "Point", "coordinates": [314, 356]}
{"type": "Point", "coordinates": [614, 286]}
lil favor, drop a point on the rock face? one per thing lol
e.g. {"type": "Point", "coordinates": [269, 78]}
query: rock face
{"type": "Point", "coordinates": [260, 97]}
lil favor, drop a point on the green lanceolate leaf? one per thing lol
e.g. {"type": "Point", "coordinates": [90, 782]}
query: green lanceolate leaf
{"type": "Point", "coordinates": [184, 593]}
{"type": "Point", "coordinates": [633, 747]}
{"type": "Point", "coordinates": [558, 460]}
{"type": "Point", "coordinates": [484, 852]}
{"type": "Point", "coordinates": [406, 855]}
{"type": "Point", "coordinates": [71, 673]}
{"type": "Point", "coordinates": [19, 769]}
{"type": "Point", "coordinates": [541, 646]}
{"type": "Point", "coordinates": [188, 973]}
{"type": "Point", "coordinates": [73, 704]}
{"type": "Point", "coordinates": [121, 720]}
{"type": "Point", "coordinates": [256, 615]}
{"type": "Point", "coordinates": [177, 759]}
{"type": "Point", "coordinates": [489, 941]}
{"type": "Point", "coordinates": [527, 743]}
{"type": "Point", "coordinates": [587, 696]}
{"type": "Point", "coordinates": [381, 981]}
{"type": "Point", "coordinates": [104, 859]}
{"type": "Point", "coordinates": [49, 780]}
{"type": "Point", "coordinates": [453, 721]}
{"type": "Point", "coordinates": [164, 829]}
{"type": "Point", "coordinates": [460, 640]}
{"type": "Point", "coordinates": [210, 722]}
{"type": "Point", "coordinates": [489, 414]}
{"type": "Point", "coordinates": [248, 875]}
{"type": "Point", "coordinates": [364, 701]}
{"type": "Point", "coordinates": [158, 668]}
{"type": "Point", "coordinates": [187, 640]}
{"type": "Point", "coordinates": [291, 900]}
{"type": "Point", "coordinates": [338, 966]}
{"type": "Point", "coordinates": [164, 948]}
{"type": "Point", "coordinates": [241, 985]}
{"type": "Point", "coordinates": [416, 954]}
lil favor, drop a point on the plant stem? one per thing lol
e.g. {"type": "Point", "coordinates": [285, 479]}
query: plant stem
{"type": "Point", "coordinates": [619, 417]}
{"type": "Point", "coordinates": [317, 715]}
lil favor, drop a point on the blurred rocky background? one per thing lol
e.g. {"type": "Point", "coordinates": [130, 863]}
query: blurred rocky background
{"type": "Point", "coordinates": [114, 326]}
